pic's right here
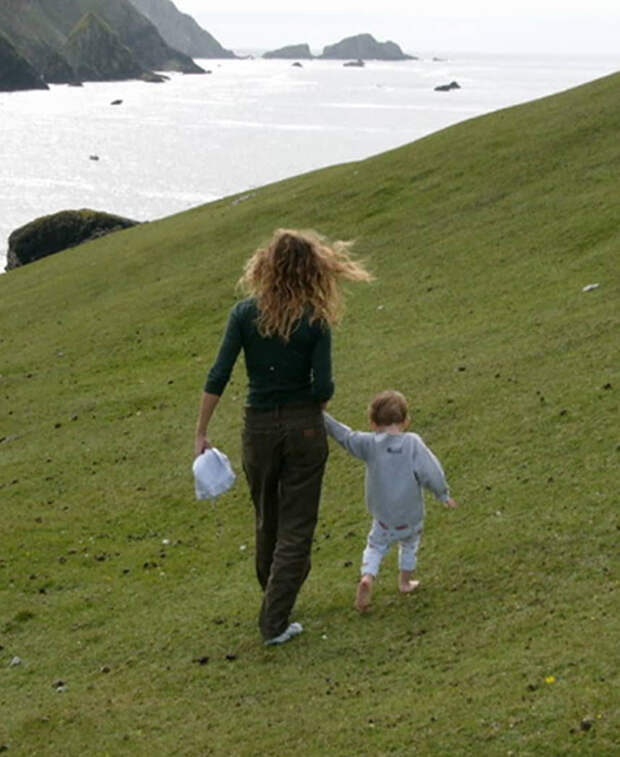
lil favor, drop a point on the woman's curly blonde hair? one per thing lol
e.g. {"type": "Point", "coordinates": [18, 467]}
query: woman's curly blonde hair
{"type": "Point", "coordinates": [297, 273]}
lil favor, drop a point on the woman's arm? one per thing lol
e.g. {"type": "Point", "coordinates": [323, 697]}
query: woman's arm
{"type": "Point", "coordinates": [322, 382]}
{"type": "Point", "coordinates": [207, 406]}
{"type": "Point", "coordinates": [229, 349]}
{"type": "Point", "coordinates": [217, 379]}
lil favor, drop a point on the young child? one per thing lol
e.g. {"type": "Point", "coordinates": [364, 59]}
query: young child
{"type": "Point", "coordinates": [398, 465]}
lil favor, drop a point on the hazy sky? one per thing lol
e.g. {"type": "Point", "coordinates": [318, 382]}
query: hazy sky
{"type": "Point", "coordinates": [511, 26]}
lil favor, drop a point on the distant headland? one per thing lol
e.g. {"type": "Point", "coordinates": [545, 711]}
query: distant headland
{"type": "Point", "coordinates": [359, 47]}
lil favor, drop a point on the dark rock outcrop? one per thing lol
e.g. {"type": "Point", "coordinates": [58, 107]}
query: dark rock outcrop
{"type": "Point", "coordinates": [57, 70]}
{"type": "Point", "coordinates": [16, 73]}
{"type": "Point", "coordinates": [364, 47]}
{"type": "Point", "coordinates": [447, 87]}
{"type": "Point", "coordinates": [354, 64]}
{"type": "Point", "coordinates": [180, 30]}
{"type": "Point", "coordinates": [50, 234]}
{"type": "Point", "coordinates": [291, 52]}
{"type": "Point", "coordinates": [96, 53]}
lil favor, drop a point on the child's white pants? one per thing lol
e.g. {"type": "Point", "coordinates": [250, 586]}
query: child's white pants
{"type": "Point", "coordinates": [380, 539]}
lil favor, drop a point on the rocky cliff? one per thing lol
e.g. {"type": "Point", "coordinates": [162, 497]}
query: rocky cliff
{"type": "Point", "coordinates": [39, 30]}
{"type": "Point", "coordinates": [57, 70]}
{"type": "Point", "coordinates": [180, 30]}
{"type": "Point", "coordinates": [15, 71]}
{"type": "Point", "coordinates": [141, 36]}
{"type": "Point", "coordinates": [301, 52]}
{"type": "Point", "coordinates": [96, 53]}
{"type": "Point", "coordinates": [364, 47]}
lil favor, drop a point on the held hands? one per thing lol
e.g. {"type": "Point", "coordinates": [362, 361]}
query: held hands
{"type": "Point", "coordinates": [451, 503]}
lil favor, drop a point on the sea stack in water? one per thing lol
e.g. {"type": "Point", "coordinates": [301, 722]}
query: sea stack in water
{"type": "Point", "coordinates": [291, 52]}
{"type": "Point", "coordinates": [364, 47]}
{"type": "Point", "coordinates": [448, 87]}
{"type": "Point", "coordinates": [50, 234]}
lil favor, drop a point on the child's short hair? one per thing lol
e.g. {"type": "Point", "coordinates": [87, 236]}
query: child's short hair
{"type": "Point", "coordinates": [388, 408]}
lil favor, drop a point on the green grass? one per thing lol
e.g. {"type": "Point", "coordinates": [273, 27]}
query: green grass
{"type": "Point", "coordinates": [482, 238]}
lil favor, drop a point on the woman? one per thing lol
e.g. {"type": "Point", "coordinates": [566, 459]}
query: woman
{"type": "Point", "coordinates": [283, 327]}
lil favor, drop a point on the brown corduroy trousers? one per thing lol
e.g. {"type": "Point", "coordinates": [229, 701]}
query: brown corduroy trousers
{"type": "Point", "coordinates": [284, 456]}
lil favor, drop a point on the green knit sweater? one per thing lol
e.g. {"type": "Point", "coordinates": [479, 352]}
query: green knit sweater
{"type": "Point", "coordinates": [278, 372]}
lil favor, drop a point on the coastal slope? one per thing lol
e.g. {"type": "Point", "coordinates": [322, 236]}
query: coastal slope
{"type": "Point", "coordinates": [131, 608]}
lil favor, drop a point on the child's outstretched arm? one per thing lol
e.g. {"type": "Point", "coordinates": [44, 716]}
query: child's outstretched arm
{"type": "Point", "coordinates": [355, 442]}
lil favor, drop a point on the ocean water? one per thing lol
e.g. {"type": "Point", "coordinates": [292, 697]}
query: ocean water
{"type": "Point", "coordinates": [194, 139]}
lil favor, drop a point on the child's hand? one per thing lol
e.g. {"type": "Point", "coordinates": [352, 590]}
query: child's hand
{"type": "Point", "coordinates": [451, 503]}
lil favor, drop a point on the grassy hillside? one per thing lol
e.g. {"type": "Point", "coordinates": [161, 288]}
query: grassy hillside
{"type": "Point", "coordinates": [133, 607]}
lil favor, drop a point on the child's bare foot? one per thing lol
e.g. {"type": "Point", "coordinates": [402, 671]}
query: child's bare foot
{"type": "Point", "coordinates": [405, 583]}
{"type": "Point", "coordinates": [363, 594]}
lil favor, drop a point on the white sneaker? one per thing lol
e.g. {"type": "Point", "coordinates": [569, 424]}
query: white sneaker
{"type": "Point", "coordinates": [294, 629]}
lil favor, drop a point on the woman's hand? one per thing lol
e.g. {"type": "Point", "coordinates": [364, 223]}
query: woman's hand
{"type": "Point", "coordinates": [201, 443]}
{"type": "Point", "coordinates": [207, 406]}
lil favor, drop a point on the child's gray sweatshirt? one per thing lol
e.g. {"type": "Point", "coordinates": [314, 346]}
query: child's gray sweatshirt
{"type": "Point", "coordinates": [397, 467]}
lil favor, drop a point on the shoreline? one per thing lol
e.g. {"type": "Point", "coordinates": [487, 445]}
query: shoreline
{"type": "Point", "coordinates": [360, 125]}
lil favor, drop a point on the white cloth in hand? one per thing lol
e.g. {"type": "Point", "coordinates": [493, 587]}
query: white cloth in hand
{"type": "Point", "coordinates": [213, 474]}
